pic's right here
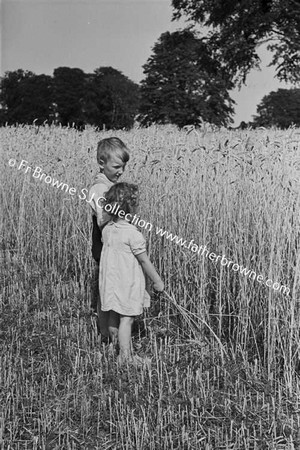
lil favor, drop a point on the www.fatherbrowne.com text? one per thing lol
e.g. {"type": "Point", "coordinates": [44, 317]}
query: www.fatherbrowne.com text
{"type": "Point", "coordinates": [203, 251]}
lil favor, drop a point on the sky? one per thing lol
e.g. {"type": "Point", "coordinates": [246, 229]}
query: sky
{"type": "Point", "coordinates": [41, 35]}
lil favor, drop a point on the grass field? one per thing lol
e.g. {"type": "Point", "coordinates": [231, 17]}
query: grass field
{"type": "Point", "coordinates": [224, 347]}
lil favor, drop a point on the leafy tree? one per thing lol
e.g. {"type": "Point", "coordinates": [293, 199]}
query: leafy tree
{"type": "Point", "coordinates": [116, 98]}
{"type": "Point", "coordinates": [280, 109]}
{"type": "Point", "coordinates": [90, 110]}
{"type": "Point", "coordinates": [237, 27]}
{"type": "Point", "coordinates": [69, 86]}
{"type": "Point", "coordinates": [26, 97]}
{"type": "Point", "coordinates": [106, 97]}
{"type": "Point", "coordinates": [184, 83]}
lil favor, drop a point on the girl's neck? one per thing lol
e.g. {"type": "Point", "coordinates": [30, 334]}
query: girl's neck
{"type": "Point", "coordinates": [119, 220]}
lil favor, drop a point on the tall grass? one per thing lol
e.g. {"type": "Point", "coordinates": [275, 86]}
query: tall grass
{"type": "Point", "coordinates": [225, 348]}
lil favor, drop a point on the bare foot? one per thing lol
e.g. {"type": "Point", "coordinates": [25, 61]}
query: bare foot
{"type": "Point", "coordinates": [133, 360]}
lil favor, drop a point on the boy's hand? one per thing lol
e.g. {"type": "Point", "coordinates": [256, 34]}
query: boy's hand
{"type": "Point", "coordinates": [158, 286]}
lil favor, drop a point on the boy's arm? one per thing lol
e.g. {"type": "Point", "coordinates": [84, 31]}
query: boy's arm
{"type": "Point", "coordinates": [150, 271]}
{"type": "Point", "coordinates": [97, 193]}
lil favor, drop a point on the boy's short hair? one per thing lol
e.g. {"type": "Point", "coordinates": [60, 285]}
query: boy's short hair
{"type": "Point", "coordinates": [112, 146]}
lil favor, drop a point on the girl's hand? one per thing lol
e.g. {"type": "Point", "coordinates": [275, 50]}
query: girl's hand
{"type": "Point", "coordinates": [149, 270]}
{"type": "Point", "coordinates": [159, 286]}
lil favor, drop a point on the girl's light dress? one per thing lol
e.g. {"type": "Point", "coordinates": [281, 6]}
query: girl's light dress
{"type": "Point", "coordinates": [121, 277]}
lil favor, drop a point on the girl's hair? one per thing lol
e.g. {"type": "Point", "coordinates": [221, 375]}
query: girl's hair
{"type": "Point", "coordinates": [121, 197]}
{"type": "Point", "coordinates": [112, 146]}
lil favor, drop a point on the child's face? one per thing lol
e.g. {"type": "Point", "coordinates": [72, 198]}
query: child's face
{"type": "Point", "coordinates": [113, 168]}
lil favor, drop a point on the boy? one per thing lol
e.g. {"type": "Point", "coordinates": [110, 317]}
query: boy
{"type": "Point", "coordinates": [112, 157]}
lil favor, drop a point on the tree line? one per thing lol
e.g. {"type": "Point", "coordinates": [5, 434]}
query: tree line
{"type": "Point", "coordinates": [70, 97]}
{"type": "Point", "coordinates": [187, 79]}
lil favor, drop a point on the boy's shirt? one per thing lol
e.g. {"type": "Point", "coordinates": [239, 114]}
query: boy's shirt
{"type": "Point", "coordinates": [101, 184]}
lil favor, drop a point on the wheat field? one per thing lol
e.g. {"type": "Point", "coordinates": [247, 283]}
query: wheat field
{"type": "Point", "coordinates": [224, 372]}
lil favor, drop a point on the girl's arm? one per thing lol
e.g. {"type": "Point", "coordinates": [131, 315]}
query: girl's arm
{"type": "Point", "coordinates": [150, 271]}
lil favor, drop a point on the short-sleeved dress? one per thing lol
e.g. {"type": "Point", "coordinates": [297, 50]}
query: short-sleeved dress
{"type": "Point", "coordinates": [121, 277]}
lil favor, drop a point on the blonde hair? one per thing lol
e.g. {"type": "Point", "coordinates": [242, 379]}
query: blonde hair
{"type": "Point", "coordinates": [112, 146]}
{"type": "Point", "coordinates": [125, 196]}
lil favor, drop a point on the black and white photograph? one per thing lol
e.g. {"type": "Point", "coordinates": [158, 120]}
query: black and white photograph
{"type": "Point", "coordinates": [150, 225]}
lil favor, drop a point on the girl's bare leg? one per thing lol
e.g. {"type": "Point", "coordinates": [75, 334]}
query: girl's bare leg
{"type": "Point", "coordinates": [113, 326]}
{"type": "Point", "coordinates": [125, 328]}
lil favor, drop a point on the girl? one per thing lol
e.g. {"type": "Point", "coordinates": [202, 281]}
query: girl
{"type": "Point", "coordinates": [122, 266]}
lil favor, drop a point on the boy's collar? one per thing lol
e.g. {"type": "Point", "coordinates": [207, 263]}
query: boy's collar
{"type": "Point", "coordinates": [102, 177]}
